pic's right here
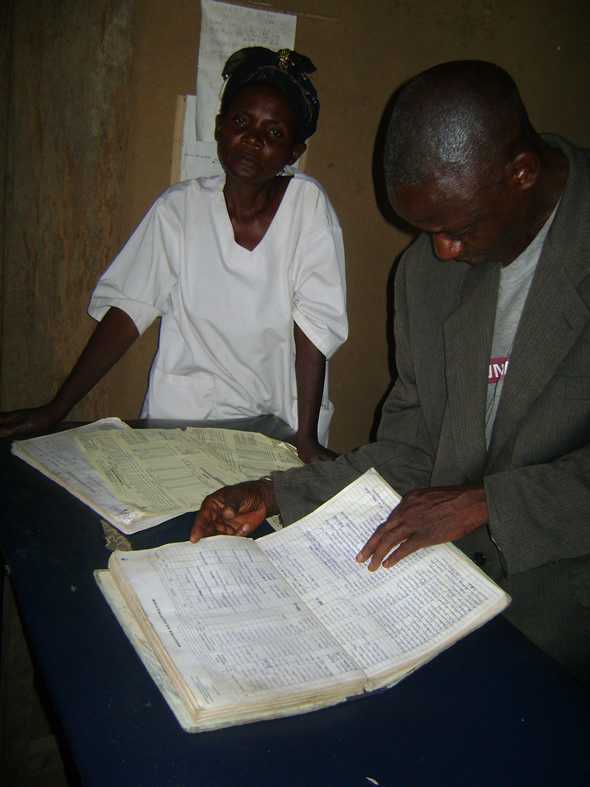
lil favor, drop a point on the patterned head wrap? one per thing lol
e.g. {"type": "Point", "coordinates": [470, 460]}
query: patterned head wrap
{"type": "Point", "coordinates": [286, 70]}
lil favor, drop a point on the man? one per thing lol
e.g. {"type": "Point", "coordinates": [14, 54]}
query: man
{"type": "Point", "coordinates": [485, 432]}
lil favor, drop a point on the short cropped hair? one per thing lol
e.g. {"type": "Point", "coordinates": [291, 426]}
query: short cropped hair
{"type": "Point", "coordinates": [456, 118]}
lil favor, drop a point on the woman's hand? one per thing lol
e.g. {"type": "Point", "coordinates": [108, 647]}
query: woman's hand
{"type": "Point", "coordinates": [25, 423]}
{"type": "Point", "coordinates": [112, 337]}
{"type": "Point", "coordinates": [234, 510]}
{"type": "Point", "coordinates": [309, 450]}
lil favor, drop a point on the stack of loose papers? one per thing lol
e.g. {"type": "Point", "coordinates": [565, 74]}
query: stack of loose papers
{"type": "Point", "coordinates": [138, 478]}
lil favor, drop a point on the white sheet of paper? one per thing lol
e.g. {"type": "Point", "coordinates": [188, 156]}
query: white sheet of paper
{"type": "Point", "coordinates": [60, 457]}
{"type": "Point", "coordinates": [198, 158]}
{"type": "Point", "coordinates": [225, 28]}
{"type": "Point", "coordinates": [192, 597]}
{"type": "Point", "coordinates": [399, 613]}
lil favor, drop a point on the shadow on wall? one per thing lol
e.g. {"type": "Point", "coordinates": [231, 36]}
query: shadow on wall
{"type": "Point", "coordinates": [386, 210]}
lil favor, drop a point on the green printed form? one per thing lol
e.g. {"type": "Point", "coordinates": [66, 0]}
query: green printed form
{"type": "Point", "coordinates": [170, 471]}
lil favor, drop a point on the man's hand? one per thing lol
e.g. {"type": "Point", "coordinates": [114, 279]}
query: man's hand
{"type": "Point", "coordinates": [423, 518]}
{"type": "Point", "coordinates": [309, 450]}
{"type": "Point", "coordinates": [25, 423]}
{"type": "Point", "coordinates": [234, 510]}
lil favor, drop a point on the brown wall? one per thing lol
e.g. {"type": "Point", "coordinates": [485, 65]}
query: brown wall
{"type": "Point", "coordinates": [91, 122]}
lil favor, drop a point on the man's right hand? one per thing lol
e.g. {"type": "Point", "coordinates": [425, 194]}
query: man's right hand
{"type": "Point", "coordinates": [25, 423]}
{"type": "Point", "coordinates": [235, 510]}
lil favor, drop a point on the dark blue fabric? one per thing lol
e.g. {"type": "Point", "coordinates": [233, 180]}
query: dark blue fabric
{"type": "Point", "coordinates": [492, 710]}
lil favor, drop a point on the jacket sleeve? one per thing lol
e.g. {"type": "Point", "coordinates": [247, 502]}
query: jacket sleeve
{"type": "Point", "coordinates": [539, 513]}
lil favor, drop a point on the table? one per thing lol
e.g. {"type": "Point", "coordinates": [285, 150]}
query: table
{"type": "Point", "coordinates": [492, 710]}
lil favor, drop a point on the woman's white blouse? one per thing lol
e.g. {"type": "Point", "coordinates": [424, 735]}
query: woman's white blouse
{"type": "Point", "coordinates": [226, 346]}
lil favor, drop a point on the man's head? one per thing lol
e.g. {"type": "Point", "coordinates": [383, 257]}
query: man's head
{"type": "Point", "coordinates": [462, 161]}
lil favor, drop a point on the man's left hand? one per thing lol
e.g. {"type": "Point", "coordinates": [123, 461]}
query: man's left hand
{"type": "Point", "coordinates": [425, 517]}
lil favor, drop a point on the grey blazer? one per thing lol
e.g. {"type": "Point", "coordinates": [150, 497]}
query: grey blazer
{"type": "Point", "coordinates": [537, 470]}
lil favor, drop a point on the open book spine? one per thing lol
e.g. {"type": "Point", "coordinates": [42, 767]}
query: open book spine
{"type": "Point", "coordinates": [144, 650]}
{"type": "Point", "coordinates": [229, 631]}
{"type": "Point", "coordinates": [249, 630]}
{"type": "Point", "coordinates": [189, 718]}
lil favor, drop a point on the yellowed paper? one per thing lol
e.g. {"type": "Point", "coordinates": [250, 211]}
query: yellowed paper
{"type": "Point", "coordinates": [159, 471]}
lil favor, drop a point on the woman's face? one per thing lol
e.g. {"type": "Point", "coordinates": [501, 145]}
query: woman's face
{"type": "Point", "coordinates": [256, 135]}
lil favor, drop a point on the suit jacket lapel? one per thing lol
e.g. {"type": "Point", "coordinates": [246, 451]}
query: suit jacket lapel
{"type": "Point", "coordinates": [545, 335]}
{"type": "Point", "coordinates": [468, 338]}
{"type": "Point", "coordinates": [554, 313]}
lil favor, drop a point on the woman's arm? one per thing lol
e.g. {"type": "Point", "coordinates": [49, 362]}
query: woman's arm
{"type": "Point", "coordinates": [111, 339]}
{"type": "Point", "coordinates": [310, 372]}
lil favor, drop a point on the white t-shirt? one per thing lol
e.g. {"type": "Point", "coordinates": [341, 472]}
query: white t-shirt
{"type": "Point", "coordinates": [226, 346]}
{"type": "Point", "coordinates": [513, 289]}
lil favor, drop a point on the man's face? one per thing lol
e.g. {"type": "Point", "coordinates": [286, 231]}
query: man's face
{"type": "Point", "coordinates": [468, 221]}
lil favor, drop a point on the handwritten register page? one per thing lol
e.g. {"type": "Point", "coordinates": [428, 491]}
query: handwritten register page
{"type": "Point", "coordinates": [235, 630]}
{"type": "Point", "coordinates": [401, 614]}
{"type": "Point", "coordinates": [255, 629]}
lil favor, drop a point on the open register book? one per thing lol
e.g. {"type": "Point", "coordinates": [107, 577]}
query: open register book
{"type": "Point", "coordinates": [138, 478]}
{"type": "Point", "coordinates": [235, 630]}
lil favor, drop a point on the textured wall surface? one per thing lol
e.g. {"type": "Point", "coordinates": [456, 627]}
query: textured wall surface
{"type": "Point", "coordinates": [6, 10]}
{"type": "Point", "coordinates": [67, 151]}
{"type": "Point", "coordinates": [91, 121]}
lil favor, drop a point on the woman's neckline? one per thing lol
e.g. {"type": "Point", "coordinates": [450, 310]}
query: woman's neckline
{"type": "Point", "coordinates": [250, 235]}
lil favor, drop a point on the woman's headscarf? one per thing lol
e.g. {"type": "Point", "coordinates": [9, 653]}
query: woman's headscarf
{"type": "Point", "coordinates": [286, 70]}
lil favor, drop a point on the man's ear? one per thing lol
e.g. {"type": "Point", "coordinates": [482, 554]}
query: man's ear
{"type": "Point", "coordinates": [217, 127]}
{"type": "Point", "coordinates": [524, 170]}
{"type": "Point", "coordinates": [297, 151]}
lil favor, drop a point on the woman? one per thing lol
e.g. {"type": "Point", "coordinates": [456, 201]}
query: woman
{"type": "Point", "coordinates": [246, 271]}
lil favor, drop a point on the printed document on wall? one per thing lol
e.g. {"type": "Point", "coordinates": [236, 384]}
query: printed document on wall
{"type": "Point", "coordinates": [226, 27]}
{"type": "Point", "coordinates": [198, 157]}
